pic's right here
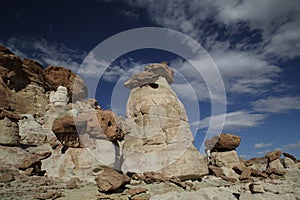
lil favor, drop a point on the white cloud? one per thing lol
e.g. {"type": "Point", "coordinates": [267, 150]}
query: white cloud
{"type": "Point", "coordinates": [45, 52]}
{"type": "Point", "coordinates": [233, 121]}
{"type": "Point", "coordinates": [277, 104]}
{"type": "Point", "coordinates": [263, 152]}
{"type": "Point", "coordinates": [292, 146]}
{"type": "Point", "coordinates": [263, 145]}
{"type": "Point", "coordinates": [276, 22]}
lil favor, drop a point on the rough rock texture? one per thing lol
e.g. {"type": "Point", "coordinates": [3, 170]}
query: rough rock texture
{"type": "Point", "coordinates": [82, 163]}
{"type": "Point", "coordinates": [30, 131]}
{"type": "Point", "coordinates": [111, 180]}
{"type": "Point", "coordinates": [160, 138]}
{"type": "Point", "coordinates": [223, 142]}
{"type": "Point", "coordinates": [225, 159]}
{"type": "Point", "coordinates": [276, 164]}
{"type": "Point", "coordinates": [9, 131]}
{"type": "Point", "coordinates": [68, 132]}
{"type": "Point", "coordinates": [60, 76]}
{"type": "Point", "coordinates": [288, 163]}
{"type": "Point", "coordinates": [273, 155]}
{"type": "Point", "coordinates": [151, 75]}
{"type": "Point", "coordinates": [290, 156]}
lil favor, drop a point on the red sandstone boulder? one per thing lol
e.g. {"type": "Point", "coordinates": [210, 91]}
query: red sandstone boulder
{"type": "Point", "coordinates": [273, 155]}
{"type": "Point", "coordinates": [111, 180]}
{"type": "Point", "coordinates": [223, 142]}
{"type": "Point", "coordinates": [60, 76]}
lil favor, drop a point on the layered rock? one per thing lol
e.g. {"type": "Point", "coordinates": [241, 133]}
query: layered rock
{"type": "Point", "coordinates": [60, 76]}
{"type": "Point", "coordinates": [160, 138]}
{"type": "Point", "coordinates": [151, 75]}
{"type": "Point", "coordinates": [9, 129]}
{"type": "Point", "coordinates": [30, 131]}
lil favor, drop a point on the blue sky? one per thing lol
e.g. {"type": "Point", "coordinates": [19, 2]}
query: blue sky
{"type": "Point", "coordinates": [255, 45]}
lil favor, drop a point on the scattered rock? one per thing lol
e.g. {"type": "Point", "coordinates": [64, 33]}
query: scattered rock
{"type": "Point", "coordinates": [111, 180]}
{"type": "Point", "coordinates": [6, 177]}
{"type": "Point", "coordinates": [48, 195]}
{"type": "Point", "coordinates": [256, 188]}
{"type": "Point", "coordinates": [72, 183]}
{"type": "Point", "coordinates": [135, 191]}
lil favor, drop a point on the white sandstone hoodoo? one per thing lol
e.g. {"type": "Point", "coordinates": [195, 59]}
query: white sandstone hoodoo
{"type": "Point", "coordinates": [160, 138]}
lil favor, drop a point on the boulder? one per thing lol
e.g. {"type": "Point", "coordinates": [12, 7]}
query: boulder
{"type": "Point", "coordinates": [151, 75]}
{"type": "Point", "coordinates": [12, 157]}
{"type": "Point", "coordinates": [60, 76]}
{"type": "Point", "coordinates": [290, 156]}
{"type": "Point", "coordinates": [160, 138]}
{"type": "Point", "coordinates": [273, 155]}
{"type": "Point", "coordinates": [223, 142]}
{"type": "Point", "coordinates": [288, 163]}
{"type": "Point", "coordinates": [68, 132]}
{"type": "Point", "coordinates": [111, 180]}
{"type": "Point", "coordinates": [276, 164]}
{"type": "Point", "coordinates": [225, 159]}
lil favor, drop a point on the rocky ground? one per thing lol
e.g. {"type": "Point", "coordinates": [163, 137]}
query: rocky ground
{"type": "Point", "coordinates": [19, 186]}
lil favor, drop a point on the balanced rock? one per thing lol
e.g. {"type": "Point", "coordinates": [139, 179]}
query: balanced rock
{"type": "Point", "coordinates": [150, 75]}
{"type": "Point", "coordinates": [273, 155]}
{"type": "Point", "coordinates": [160, 139]}
{"type": "Point", "coordinates": [223, 142]}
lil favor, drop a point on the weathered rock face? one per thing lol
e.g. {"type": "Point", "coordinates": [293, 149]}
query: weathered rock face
{"type": "Point", "coordinates": [82, 163]}
{"type": "Point", "coordinates": [60, 76]}
{"type": "Point", "coordinates": [9, 131]}
{"type": "Point", "coordinates": [23, 84]}
{"type": "Point", "coordinates": [160, 138]}
{"type": "Point", "coordinates": [223, 142]}
{"type": "Point", "coordinates": [68, 132]}
{"type": "Point", "coordinates": [30, 131]}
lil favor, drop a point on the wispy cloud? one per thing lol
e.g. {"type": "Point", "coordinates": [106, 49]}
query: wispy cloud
{"type": "Point", "coordinates": [274, 22]}
{"type": "Point", "coordinates": [233, 121]}
{"type": "Point", "coordinates": [262, 145]}
{"type": "Point", "coordinates": [277, 104]}
{"type": "Point", "coordinates": [260, 153]}
{"type": "Point", "coordinates": [292, 146]}
{"type": "Point", "coordinates": [45, 52]}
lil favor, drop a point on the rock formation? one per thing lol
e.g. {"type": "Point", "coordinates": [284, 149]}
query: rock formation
{"type": "Point", "coordinates": [160, 138]}
{"type": "Point", "coordinates": [52, 148]}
